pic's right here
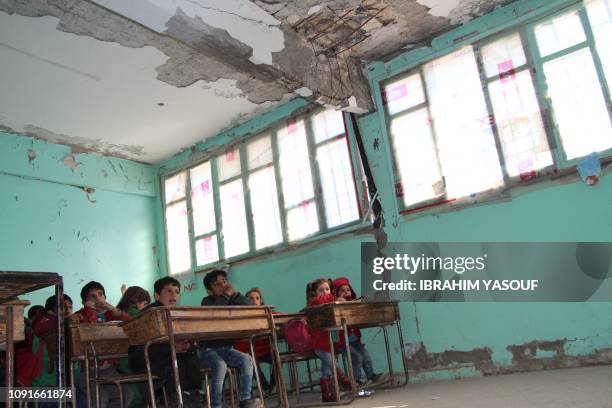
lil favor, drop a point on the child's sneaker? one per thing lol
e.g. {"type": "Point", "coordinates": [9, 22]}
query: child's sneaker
{"type": "Point", "coordinates": [374, 379]}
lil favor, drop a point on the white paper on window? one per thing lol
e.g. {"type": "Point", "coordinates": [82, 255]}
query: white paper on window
{"type": "Point", "coordinates": [559, 33]}
{"type": "Point", "coordinates": [336, 173]}
{"type": "Point", "coordinates": [403, 94]}
{"type": "Point", "coordinates": [578, 103]}
{"type": "Point", "coordinates": [503, 57]}
{"type": "Point", "coordinates": [177, 230]}
{"type": "Point", "coordinates": [600, 16]}
{"type": "Point", "coordinates": [327, 124]}
{"type": "Point", "coordinates": [259, 152]}
{"type": "Point", "coordinates": [202, 200]}
{"type": "Point", "coordinates": [302, 221]}
{"type": "Point", "coordinates": [416, 158]}
{"type": "Point", "coordinates": [520, 125]}
{"type": "Point", "coordinates": [233, 216]}
{"type": "Point", "coordinates": [264, 204]}
{"type": "Point", "coordinates": [207, 250]}
{"type": "Point", "coordinates": [294, 164]}
{"type": "Point", "coordinates": [228, 164]}
{"type": "Point", "coordinates": [174, 187]}
{"type": "Point", "coordinates": [466, 145]}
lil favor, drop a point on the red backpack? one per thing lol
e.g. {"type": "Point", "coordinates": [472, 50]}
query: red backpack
{"type": "Point", "coordinates": [298, 337]}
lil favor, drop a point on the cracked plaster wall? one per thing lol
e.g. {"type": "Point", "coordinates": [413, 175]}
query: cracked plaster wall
{"type": "Point", "coordinates": [84, 216]}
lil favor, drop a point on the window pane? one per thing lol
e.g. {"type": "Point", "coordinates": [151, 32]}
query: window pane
{"type": "Point", "coordinates": [202, 201]}
{"type": "Point", "coordinates": [600, 16]}
{"type": "Point", "coordinates": [294, 164]}
{"type": "Point", "coordinates": [179, 254]}
{"type": "Point", "coordinates": [328, 124]}
{"type": "Point", "coordinates": [207, 250]}
{"type": "Point", "coordinates": [233, 216]}
{"type": "Point", "coordinates": [579, 107]}
{"type": "Point", "coordinates": [559, 33]}
{"type": "Point", "coordinates": [264, 204]}
{"type": "Point", "coordinates": [228, 164]}
{"type": "Point", "coordinates": [174, 187]}
{"type": "Point", "coordinates": [503, 56]}
{"type": "Point", "coordinates": [302, 221]}
{"type": "Point", "coordinates": [403, 94]}
{"type": "Point", "coordinates": [520, 126]}
{"type": "Point", "coordinates": [416, 158]}
{"type": "Point", "coordinates": [466, 145]}
{"type": "Point", "coordinates": [337, 183]}
{"type": "Point", "coordinates": [259, 152]}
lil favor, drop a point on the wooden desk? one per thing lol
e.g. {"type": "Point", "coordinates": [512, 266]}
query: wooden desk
{"type": "Point", "coordinates": [338, 316]}
{"type": "Point", "coordinates": [168, 324]}
{"type": "Point", "coordinates": [13, 284]}
{"type": "Point", "coordinates": [16, 330]}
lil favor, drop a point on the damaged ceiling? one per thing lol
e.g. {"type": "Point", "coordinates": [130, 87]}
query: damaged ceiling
{"type": "Point", "coordinates": [145, 79]}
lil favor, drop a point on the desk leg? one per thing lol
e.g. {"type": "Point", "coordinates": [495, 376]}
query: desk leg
{"type": "Point", "coordinates": [149, 375]}
{"type": "Point", "coordinates": [87, 379]}
{"type": "Point", "coordinates": [72, 384]}
{"type": "Point", "coordinates": [10, 363]}
{"type": "Point", "coordinates": [349, 359]}
{"type": "Point", "coordinates": [256, 370]}
{"type": "Point", "coordinates": [402, 350]}
{"type": "Point", "coordinates": [177, 380]}
{"type": "Point", "coordinates": [334, 368]}
{"type": "Point", "coordinates": [278, 368]}
{"type": "Point", "coordinates": [389, 362]}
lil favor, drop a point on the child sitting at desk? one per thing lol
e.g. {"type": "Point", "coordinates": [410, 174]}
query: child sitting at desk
{"type": "Point", "coordinates": [320, 293]}
{"type": "Point", "coordinates": [134, 300]}
{"type": "Point", "coordinates": [359, 355]}
{"type": "Point", "coordinates": [167, 293]}
{"type": "Point", "coordinates": [218, 354]}
{"type": "Point", "coordinates": [97, 310]}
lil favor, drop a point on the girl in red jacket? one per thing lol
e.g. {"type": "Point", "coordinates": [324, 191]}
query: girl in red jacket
{"type": "Point", "coordinates": [319, 292]}
{"type": "Point", "coordinates": [359, 355]}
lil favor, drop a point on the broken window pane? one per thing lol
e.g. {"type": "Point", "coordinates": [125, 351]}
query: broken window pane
{"type": "Point", "coordinates": [520, 126]}
{"type": "Point", "coordinates": [177, 232]}
{"type": "Point", "coordinates": [503, 56]}
{"type": "Point", "coordinates": [259, 152]}
{"type": "Point", "coordinates": [202, 201]}
{"type": "Point", "coordinates": [559, 33]}
{"type": "Point", "coordinates": [403, 94]}
{"type": "Point", "coordinates": [294, 164]}
{"type": "Point", "coordinates": [466, 145]}
{"type": "Point", "coordinates": [302, 221]}
{"type": "Point", "coordinates": [337, 183]}
{"type": "Point", "coordinates": [416, 158]}
{"type": "Point", "coordinates": [207, 250]}
{"type": "Point", "coordinates": [600, 16]}
{"type": "Point", "coordinates": [327, 124]}
{"type": "Point", "coordinates": [233, 218]}
{"type": "Point", "coordinates": [264, 205]}
{"type": "Point", "coordinates": [578, 104]}
{"type": "Point", "coordinates": [174, 187]}
{"type": "Point", "coordinates": [228, 164]}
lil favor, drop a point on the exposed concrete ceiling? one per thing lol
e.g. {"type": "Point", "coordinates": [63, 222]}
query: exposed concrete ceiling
{"type": "Point", "coordinates": [144, 79]}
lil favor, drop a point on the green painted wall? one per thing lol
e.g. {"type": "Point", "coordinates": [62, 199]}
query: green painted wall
{"type": "Point", "coordinates": [49, 223]}
{"type": "Point", "coordinates": [550, 211]}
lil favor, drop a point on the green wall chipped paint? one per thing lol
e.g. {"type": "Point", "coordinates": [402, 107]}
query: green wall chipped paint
{"type": "Point", "coordinates": [113, 239]}
{"type": "Point", "coordinates": [49, 223]}
{"type": "Point", "coordinates": [459, 334]}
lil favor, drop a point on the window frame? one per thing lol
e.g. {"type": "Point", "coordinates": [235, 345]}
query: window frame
{"type": "Point", "coordinates": [323, 233]}
{"type": "Point", "coordinates": [534, 64]}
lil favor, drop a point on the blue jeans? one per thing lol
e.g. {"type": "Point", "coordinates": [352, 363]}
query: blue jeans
{"type": "Point", "coordinates": [326, 363]}
{"type": "Point", "coordinates": [218, 359]}
{"type": "Point", "coordinates": [361, 359]}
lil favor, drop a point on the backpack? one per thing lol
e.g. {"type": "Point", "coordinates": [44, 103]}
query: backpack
{"type": "Point", "coordinates": [298, 335]}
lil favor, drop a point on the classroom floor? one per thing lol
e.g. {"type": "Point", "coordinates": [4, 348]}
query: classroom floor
{"type": "Point", "coordinates": [588, 387]}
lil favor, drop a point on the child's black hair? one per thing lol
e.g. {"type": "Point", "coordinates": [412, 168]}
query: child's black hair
{"type": "Point", "coordinates": [212, 276]}
{"type": "Point", "coordinates": [50, 302]}
{"type": "Point", "coordinates": [93, 285]}
{"type": "Point", "coordinates": [160, 284]}
{"type": "Point", "coordinates": [35, 309]}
